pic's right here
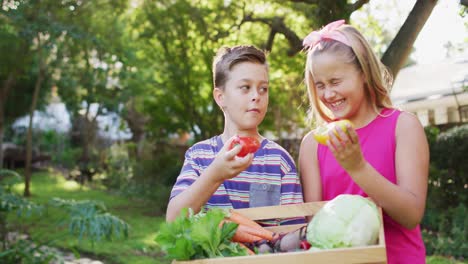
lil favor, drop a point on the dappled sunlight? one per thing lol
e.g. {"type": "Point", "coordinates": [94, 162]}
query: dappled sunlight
{"type": "Point", "coordinates": [70, 185]}
{"type": "Point", "coordinates": [50, 182]}
{"type": "Point", "coordinates": [149, 238]}
{"type": "Point", "coordinates": [18, 187]}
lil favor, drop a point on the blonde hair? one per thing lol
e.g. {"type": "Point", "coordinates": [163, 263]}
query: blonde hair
{"type": "Point", "coordinates": [377, 77]}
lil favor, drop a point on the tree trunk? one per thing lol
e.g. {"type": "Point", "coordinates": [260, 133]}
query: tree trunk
{"type": "Point", "coordinates": [401, 46]}
{"type": "Point", "coordinates": [27, 171]}
{"type": "Point", "coordinates": [136, 122]}
{"type": "Point", "coordinates": [37, 87]}
{"type": "Point", "coordinates": [3, 98]}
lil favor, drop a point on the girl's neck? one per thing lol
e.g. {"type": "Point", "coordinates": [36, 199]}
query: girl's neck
{"type": "Point", "coordinates": [365, 116]}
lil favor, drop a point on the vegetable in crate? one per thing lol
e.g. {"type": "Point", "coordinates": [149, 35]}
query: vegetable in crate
{"type": "Point", "coordinates": [346, 221]}
{"type": "Point", "coordinates": [204, 235]}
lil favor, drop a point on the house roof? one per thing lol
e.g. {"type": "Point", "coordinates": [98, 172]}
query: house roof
{"type": "Point", "coordinates": [427, 81]}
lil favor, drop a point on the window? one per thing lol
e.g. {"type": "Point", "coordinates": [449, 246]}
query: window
{"type": "Point", "coordinates": [464, 113]}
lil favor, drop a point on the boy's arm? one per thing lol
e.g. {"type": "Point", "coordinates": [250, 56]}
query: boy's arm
{"type": "Point", "coordinates": [226, 165]}
{"type": "Point", "coordinates": [195, 196]}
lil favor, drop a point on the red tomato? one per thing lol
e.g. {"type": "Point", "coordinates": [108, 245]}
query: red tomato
{"type": "Point", "coordinates": [305, 245]}
{"type": "Point", "coordinates": [249, 145]}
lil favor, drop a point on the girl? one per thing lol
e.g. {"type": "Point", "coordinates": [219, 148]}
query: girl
{"type": "Point", "coordinates": [384, 156]}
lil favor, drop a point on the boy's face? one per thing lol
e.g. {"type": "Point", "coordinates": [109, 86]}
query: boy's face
{"type": "Point", "coordinates": [244, 99]}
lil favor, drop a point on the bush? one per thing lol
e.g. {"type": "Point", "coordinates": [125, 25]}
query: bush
{"type": "Point", "coordinates": [447, 180]}
{"type": "Point", "coordinates": [86, 220]}
{"type": "Point", "coordinates": [151, 176]}
{"type": "Point", "coordinates": [445, 224]}
{"type": "Point", "coordinates": [450, 231]}
{"type": "Point", "coordinates": [118, 167]}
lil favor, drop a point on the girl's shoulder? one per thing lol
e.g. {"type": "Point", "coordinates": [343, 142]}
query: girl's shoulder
{"type": "Point", "coordinates": [308, 141]}
{"type": "Point", "coordinates": [408, 119]}
{"type": "Point", "coordinates": [408, 123]}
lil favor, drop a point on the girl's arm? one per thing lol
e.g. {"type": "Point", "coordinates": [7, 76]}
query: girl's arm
{"type": "Point", "coordinates": [404, 201]}
{"type": "Point", "coordinates": [309, 169]}
{"type": "Point", "coordinates": [412, 167]}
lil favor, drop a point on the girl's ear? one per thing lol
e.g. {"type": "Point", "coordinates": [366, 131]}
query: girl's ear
{"type": "Point", "coordinates": [218, 95]}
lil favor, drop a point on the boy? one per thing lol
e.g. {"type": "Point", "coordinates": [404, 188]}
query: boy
{"type": "Point", "coordinates": [213, 175]}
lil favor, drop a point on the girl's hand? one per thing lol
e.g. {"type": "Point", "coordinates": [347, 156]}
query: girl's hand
{"type": "Point", "coordinates": [227, 164]}
{"type": "Point", "coordinates": [345, 147]}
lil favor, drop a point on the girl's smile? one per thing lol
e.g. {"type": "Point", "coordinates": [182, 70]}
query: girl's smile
{"type": "Point", "coordinates": [340, 87]}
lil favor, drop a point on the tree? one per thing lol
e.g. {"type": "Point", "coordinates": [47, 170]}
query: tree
{"type": "Point", "coordinates": [177, 52]}
{"type": "Point", "coordinates": [24, 31]}
{"type": "Point", "coordinates": [401, 46]}
{"type": "Point", "coordinates": [323, 12]}
{"type": "Point", "coordinates": [11, 66]}
{"type": "Point", "coordinates": [91, 71]}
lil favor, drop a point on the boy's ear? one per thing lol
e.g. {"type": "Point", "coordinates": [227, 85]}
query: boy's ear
{"type": "Point", "coordinates": [218, 95]}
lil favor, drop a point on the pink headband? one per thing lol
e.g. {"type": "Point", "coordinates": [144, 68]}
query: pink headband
{"type": "Point", "coordinates": [327, 32]}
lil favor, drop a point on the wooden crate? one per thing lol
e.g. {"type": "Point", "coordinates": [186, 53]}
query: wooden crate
{"type": "Point", "coordinates": [368, 254]}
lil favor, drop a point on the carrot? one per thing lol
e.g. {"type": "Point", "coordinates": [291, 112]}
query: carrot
{"type": "Point", "coordinates": [241, 219]}
{"type": "Point", "coordinates": [249, 251]}
{"type": "Point", "coordinates": [245, 237]}
{"type": "Point", "coordinates": [250, 226]}
{"type": "Point", "coordinates": [241, 236]}
{"type": "Point", "coordinates": [259, 232]}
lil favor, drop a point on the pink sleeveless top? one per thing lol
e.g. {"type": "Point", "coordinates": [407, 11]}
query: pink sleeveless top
{"type": "Point", "coordinates": [378, 146]}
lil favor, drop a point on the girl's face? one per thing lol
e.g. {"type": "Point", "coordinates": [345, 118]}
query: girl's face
{"type": "Point", "coordinates": [339, 86]}
{"type": "Point", "coordinates": [244, 99]}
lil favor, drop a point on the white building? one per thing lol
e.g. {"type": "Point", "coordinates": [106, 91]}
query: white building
{"type": "Point", "coordinates": [437, 93]}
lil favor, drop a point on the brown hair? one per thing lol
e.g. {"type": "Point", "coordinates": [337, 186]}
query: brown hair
{"type": "Point", "coordinates": [377, 78]}
{"type": "Point", "coordinates": [227, 57]}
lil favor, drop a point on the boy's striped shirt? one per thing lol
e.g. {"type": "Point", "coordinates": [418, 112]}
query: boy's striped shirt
{"type": "Point", "coordinates": [271, 179]}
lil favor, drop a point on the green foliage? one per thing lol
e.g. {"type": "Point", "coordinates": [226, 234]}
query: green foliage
{"type": "Point", "coordinates": [449, 234]}
{"type": "Point", "coordinates": [448, 175]}
{"type": "Point", "coordinates": [151, 177]}
{"type": "Point", "coordinates": [8, 178]}
{"type": "Point", "coordinates": [198, 236]}
{"type": "Point", "coordinates": [9, 201]}
{"type": "Point", "coordinates": [16, 251]}
{"type": "Point", "coordinates": [442, 260]}
{"type": "Point", "coordinates": [50, 227]}
{"type": "Point", "coordinates": [445, 225]}
{"type": "Point", "coordinates": [86, 218]}
{"type": "Point", "coordinates": [119, 167]}
{"type": "Point", "coordinates": [67, 157]}
{"type": "Point", "coordinates": [25, 251]}
{"type": "Point", "coordinates": [90, 219]}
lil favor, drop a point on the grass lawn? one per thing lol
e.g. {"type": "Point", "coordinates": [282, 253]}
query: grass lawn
{"type": "Point", "coordinates": [442, 260]}
{"type": "Point", "coordinates": [139, 248]}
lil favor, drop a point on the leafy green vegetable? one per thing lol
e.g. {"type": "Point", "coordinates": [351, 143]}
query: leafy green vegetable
{"type": "Point", "coordinates": [346, 221]}
{"type": "Point", "coordinates": [199, 236]}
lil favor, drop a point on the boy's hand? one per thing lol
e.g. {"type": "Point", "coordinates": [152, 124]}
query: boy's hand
{"type": "Point", "coordinates": [227, 164]}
